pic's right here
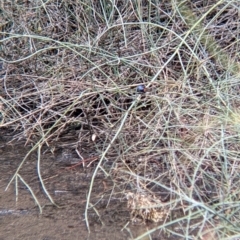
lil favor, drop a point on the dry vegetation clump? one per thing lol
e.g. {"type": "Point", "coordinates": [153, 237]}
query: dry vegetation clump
{"type": "Point", "coordinates": [145, 207]}
{"type": "Point", "coordinates": [73, 66]}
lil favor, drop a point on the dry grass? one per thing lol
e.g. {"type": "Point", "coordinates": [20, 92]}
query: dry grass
{"type": "Point", "coordinates": [76, 65]}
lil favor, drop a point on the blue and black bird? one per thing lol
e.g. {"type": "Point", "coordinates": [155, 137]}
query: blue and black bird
{"type": "Point", "coordinates": [141, 89]}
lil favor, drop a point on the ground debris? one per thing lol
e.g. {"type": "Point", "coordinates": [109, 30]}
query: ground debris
{"type": "Point", "coordinates": [146, 207]}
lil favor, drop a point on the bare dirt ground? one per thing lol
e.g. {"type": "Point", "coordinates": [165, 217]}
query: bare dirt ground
{"type": "Point", "coordinates": [68, 187]}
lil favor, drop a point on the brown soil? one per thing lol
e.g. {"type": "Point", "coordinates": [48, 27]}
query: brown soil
{"type": "Point", "coordinates": [68, 187]}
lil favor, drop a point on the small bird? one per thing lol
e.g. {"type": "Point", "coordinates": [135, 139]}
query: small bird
{"type": "Point", "coordinates": [141, 89]}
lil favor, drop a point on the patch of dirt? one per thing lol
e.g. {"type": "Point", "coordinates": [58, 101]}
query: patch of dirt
{"type": "Point", "coordinates": [68, 187]}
